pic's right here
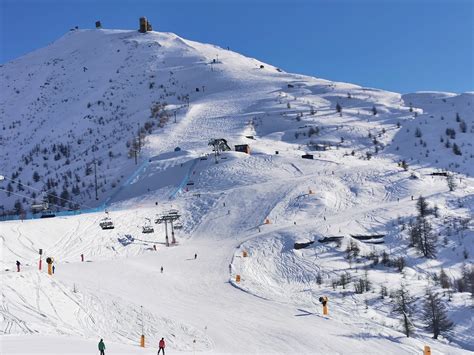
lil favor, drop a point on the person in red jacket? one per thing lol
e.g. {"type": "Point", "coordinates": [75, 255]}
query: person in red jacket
{"type": "Point", "coordinates": [162, 346]}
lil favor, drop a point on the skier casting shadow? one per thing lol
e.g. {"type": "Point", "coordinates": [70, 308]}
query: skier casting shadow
{"type": "Point", "coordinates": [161, 346]}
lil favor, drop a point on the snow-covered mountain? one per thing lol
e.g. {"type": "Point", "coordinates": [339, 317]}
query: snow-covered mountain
{"type": "Point", "coordinates": [144, 108]}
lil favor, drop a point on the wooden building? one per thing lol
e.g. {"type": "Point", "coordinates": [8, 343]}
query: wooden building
{"type": "Point", "coordinates": [244, 148]}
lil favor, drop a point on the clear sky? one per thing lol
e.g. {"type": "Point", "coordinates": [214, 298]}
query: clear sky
{"type": "Point", "coordinates": [399, 45]}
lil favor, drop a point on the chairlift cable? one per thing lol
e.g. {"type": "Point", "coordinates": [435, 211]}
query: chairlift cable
{"type": "Point", "coordinates": [31, 198]}
{"type": "Point", "coordinates": [46, 192]}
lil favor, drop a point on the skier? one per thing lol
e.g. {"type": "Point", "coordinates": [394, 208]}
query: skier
{"type": "Point", "coordinates": [102, 347]}
{"type": "Point", "coordinates": [54, 268]}
{"type": "Point", "coordinates": [162, 346]}
{"type": "Point", "coordinates": [162, 269]}
{"type": "Point", "coordinates": [195, 256]}
{"type": "Point", "coordinates": [18, 266]}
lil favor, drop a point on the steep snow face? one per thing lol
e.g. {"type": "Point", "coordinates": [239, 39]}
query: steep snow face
{"type": "Point", "coordinates": [87, 95]}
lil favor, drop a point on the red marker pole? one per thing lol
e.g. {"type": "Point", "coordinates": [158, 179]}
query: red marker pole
{"type": "Point", "coordinates": [41, 259]}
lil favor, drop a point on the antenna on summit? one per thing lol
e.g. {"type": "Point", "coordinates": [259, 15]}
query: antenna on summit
{"type": "Point", "coordinates": [145, 25]}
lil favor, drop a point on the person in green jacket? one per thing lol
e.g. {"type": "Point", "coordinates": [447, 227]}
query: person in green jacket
{"type": "Point", "coordinates": [102, 347]}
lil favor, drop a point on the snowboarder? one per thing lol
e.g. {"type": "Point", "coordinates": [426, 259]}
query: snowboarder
{"type": "Point", "coordinates": [162, 346]}
{"type": "Point", "coordinates": [18, 264]}
{"type": "Point", "coordinates": [82, 257]}
{"type": "Point", "coordinates": [195, 256]}
{"type": "Point", "coordinates": [102, 347]}
{"type": "Point", "coordinates": [162, 269]}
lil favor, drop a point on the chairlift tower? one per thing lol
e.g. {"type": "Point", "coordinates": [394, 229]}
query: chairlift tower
{"type": "Point", "coordinates": [218, 145]}
{"type": "Point", "coordinates": [168, 217]}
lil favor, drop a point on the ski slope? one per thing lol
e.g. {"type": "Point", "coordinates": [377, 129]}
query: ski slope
{"type": "Point", "coordinates": [354, 187]}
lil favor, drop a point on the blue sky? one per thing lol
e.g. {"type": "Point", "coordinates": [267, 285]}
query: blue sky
{"type": "Point", "coordinates": [399, 45]}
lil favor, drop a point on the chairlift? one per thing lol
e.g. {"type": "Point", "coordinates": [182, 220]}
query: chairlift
{"type": "Point", "coordinates": [203, 157]}
{"type": "Point", "coordinates": [190, 183]}
{"type": "Point", "coordinates": [147, 227]}
{"type": "Point", "coordinates": [177, 226]}
{"type": "Point", "coordinates": [173, 211]}
{"type": "Point", "coordinates": [46, 212]}
{"type": "Point", "coordinates": [106, 223]}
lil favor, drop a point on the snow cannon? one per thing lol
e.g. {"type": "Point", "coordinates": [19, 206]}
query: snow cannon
{"type": "Point", "coordinates": [324, 301]}
{"type": "Point", "coordinates": [50, 261]}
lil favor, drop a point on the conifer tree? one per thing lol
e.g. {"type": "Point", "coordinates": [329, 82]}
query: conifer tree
{"type": "Point", "coordinates": [434, 314]}
{"type": "Point", "coordinates": [403, 307]}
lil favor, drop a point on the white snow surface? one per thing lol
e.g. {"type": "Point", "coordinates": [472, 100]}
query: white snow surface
{"type": "Point", "coordinates": [91, 88]}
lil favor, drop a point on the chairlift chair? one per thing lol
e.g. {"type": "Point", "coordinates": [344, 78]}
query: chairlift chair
{"type": "Point", "coordinates": [106, 223]}
{"type": "Point", "coordinates": [47, 214]}
{"type": "Point", "coordinates": [147, 227]}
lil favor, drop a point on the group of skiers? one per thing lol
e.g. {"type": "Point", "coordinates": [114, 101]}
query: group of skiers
{"type": "Point", "coordinates": [161, 346]}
